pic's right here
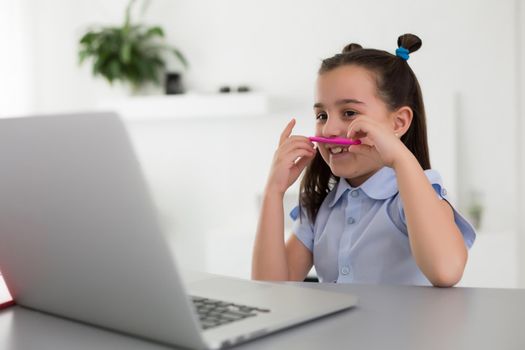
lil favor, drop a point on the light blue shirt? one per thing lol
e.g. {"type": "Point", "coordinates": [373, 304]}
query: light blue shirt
{"type": "Point", "coordinates": [360, 233]}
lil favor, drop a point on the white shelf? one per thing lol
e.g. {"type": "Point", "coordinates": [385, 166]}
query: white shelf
{"type": "Point", "coordinates": [166, 107]}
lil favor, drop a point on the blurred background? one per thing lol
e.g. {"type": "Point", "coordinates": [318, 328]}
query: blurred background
{"type": "Point", "coordinates": [206, 134]}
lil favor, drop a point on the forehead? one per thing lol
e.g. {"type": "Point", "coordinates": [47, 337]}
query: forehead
{"type": "Point", "coordinates": [349, 81]}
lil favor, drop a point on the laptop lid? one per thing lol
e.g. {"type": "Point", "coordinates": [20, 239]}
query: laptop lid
{"type": "Point", "coordinates": [74, 211]}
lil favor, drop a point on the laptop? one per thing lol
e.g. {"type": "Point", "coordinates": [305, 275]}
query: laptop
{"type": "Point", "coordinates": [80, 238]}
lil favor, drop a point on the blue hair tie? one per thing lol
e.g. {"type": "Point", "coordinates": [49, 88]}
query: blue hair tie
{"type": "Point", "coordinates": [402, 52]}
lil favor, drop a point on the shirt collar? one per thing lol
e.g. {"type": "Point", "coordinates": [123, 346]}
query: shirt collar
{"type": "Point", "coordinates": [381, 185]}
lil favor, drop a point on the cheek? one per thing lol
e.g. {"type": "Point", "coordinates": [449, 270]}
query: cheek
{"type": "Point", "coordinates": [324, 154]}
{"type": "Point", "coordinates": [383, 118]}
{"type": "Point", "coordinates": [318, 129]}
{"type": "Point", "coordinates": [386, 122]}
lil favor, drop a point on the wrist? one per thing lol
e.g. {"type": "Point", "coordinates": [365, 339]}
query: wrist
{"type": "Point", "coordinates": [273, 192]}
{"type": "Point", "coordinates": [405, 158]}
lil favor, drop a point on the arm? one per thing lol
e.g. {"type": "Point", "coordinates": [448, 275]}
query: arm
{"type": "Point", "coordinates": [435, 240]}
{"type": "Point", "coordinates": [272, 259]}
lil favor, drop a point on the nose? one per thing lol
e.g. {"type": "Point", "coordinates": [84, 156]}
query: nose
{"type": "Point", "coordinates": [334, 127]}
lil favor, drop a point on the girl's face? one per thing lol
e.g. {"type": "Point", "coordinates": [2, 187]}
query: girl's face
{"type": "Point", "coordinates": [344, 94]}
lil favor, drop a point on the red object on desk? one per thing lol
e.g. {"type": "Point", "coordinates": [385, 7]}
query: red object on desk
{"type": "Point", "coordinates": [5, 298]}
{"type": "Point", "coordinates": [7, 304]}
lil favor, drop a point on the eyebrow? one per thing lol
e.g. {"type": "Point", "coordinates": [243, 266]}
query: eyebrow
{"type": "Point", "coordinates": [340, 102]}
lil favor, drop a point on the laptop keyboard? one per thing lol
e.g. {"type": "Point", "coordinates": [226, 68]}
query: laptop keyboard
{"type": "Point", "coordinates": [213, 313]}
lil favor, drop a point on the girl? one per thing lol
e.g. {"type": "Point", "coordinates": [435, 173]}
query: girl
{"type": "Point", "coordinates": [368, 213]}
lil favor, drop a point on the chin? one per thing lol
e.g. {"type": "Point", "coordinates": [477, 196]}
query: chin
{"type": "Point", "coordinates": [348, 170]}
{"type": "Point", "coordinates": [354, 169]}
{"type": "Point", "coordinates": [347, 174]}
{"type": "Point", "coordinates": [350, 166]}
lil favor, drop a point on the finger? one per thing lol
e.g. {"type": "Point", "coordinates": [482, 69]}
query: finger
{"type": "Point", "coordinates": [287, 131]}
{"type": "Point", "coordinates": [302, 162]}
{"type": "Point", "coordinates": [359, 127]}
{"type": "Point", "coordinates": [365, 140]}
{"type": "Point", "coordinates": [289, 149]}
{"type": "Point", "coordinates": [292, 157]}
{"type": "Point", "coordinates": [356, 131]}
{"type": "Point", "coordinates": [362, 146]}
{"type": "Point", "coordinates": [300, 138]}
{"type": "Point", "coordinates": [297, 142]}
{"type": "Point", "coordinates": [361, 131]}
{"type": "Point", "coordinates": [362, 149]}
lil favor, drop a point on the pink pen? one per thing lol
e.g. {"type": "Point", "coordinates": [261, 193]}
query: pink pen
{"type": "Point", "coordinates": [335, 140]}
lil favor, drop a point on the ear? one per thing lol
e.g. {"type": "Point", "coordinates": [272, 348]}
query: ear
{"type": "Point", "coordinates": [402, 118]}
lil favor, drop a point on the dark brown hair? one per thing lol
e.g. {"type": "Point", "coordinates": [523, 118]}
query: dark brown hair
{"type": "Point", "coordinates": [397, 86]}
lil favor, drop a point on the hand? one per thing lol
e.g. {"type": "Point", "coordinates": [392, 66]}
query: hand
{"type": "Point", "coordinates": [291, 157]}
{"type": "Point", "coordinates": [377, 141]}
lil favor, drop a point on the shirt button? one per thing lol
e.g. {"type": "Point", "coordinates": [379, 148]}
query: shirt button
{"type": "Point", "coordinates": [354, 193]}
{"type": "Point", "coordinates": [443, 192]}
{"type": "Point", "coordinates": [345, 270]}
{"type": "Point", "coordinates": [350, 220]}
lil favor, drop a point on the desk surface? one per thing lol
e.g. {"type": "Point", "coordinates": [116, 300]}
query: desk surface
{"type": "Point", "coordinates": [387, 317]}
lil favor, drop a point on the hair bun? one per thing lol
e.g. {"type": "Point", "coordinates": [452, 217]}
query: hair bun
{"type": "Point", "coordinates": [410, 42]}
{"type": "Point", "coordinates": [352, 47]}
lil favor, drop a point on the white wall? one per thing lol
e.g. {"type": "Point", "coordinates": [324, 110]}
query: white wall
{"type": "Point", "coordinates": [520, 130]}
{"type": "Point", "coordinates": [16, 86]}
{"type": "Point", "coordinates": [275, 46]}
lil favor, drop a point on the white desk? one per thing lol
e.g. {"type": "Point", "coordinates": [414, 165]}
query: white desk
{"type": "Point", "coordinates": [387, 317]}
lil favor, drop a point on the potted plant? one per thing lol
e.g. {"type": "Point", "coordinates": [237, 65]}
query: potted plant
{"type": "Point", "coordinates": [475, 208]}
{"type": "Point", "coordinates": [132, 54]}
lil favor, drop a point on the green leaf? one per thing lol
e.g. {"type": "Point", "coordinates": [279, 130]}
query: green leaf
{"type": "Point", "coordinates": [88, 38]}
{"type": "Point", "coordinates": [125, 52]}
{"type": "Point", "coordinates": [114, 70]}
{"type": "Point", "coordinates": [97, 66]}
{"type": "Point", "coordinates": [181, 58]}
{"type": "Point", "coordinates": [154, 31]}
{"type": "Point", "coordinates": [82, 55]}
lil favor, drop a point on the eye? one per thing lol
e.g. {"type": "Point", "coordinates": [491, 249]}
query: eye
{"type": "Point", "coordinates": [350, 114]}
{"type": "Point", "coordinates": [321, 116]}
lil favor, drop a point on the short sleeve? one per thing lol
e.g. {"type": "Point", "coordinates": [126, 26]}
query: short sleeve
{"type": "Point", "coordinates": [302, 228]}
{"type": "Point", "coordinates": [467, 230]}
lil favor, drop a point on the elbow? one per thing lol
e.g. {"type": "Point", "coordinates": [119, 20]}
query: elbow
{"type": "Point", "coordinates": [448, 275]}
{"type": "Point", "coordinates": [446, 279]}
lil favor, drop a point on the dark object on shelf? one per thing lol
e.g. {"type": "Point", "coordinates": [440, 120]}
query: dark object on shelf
{"type": "Point", "coordinates": [311, 279]}
{"type": "Point", "coordinates": [174, 84]}
{"type": "Point", "coordinates": [241, 88]}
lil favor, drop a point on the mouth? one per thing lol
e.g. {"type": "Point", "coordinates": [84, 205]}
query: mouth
{"type": "Point", "coordinates": [337, 150]}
